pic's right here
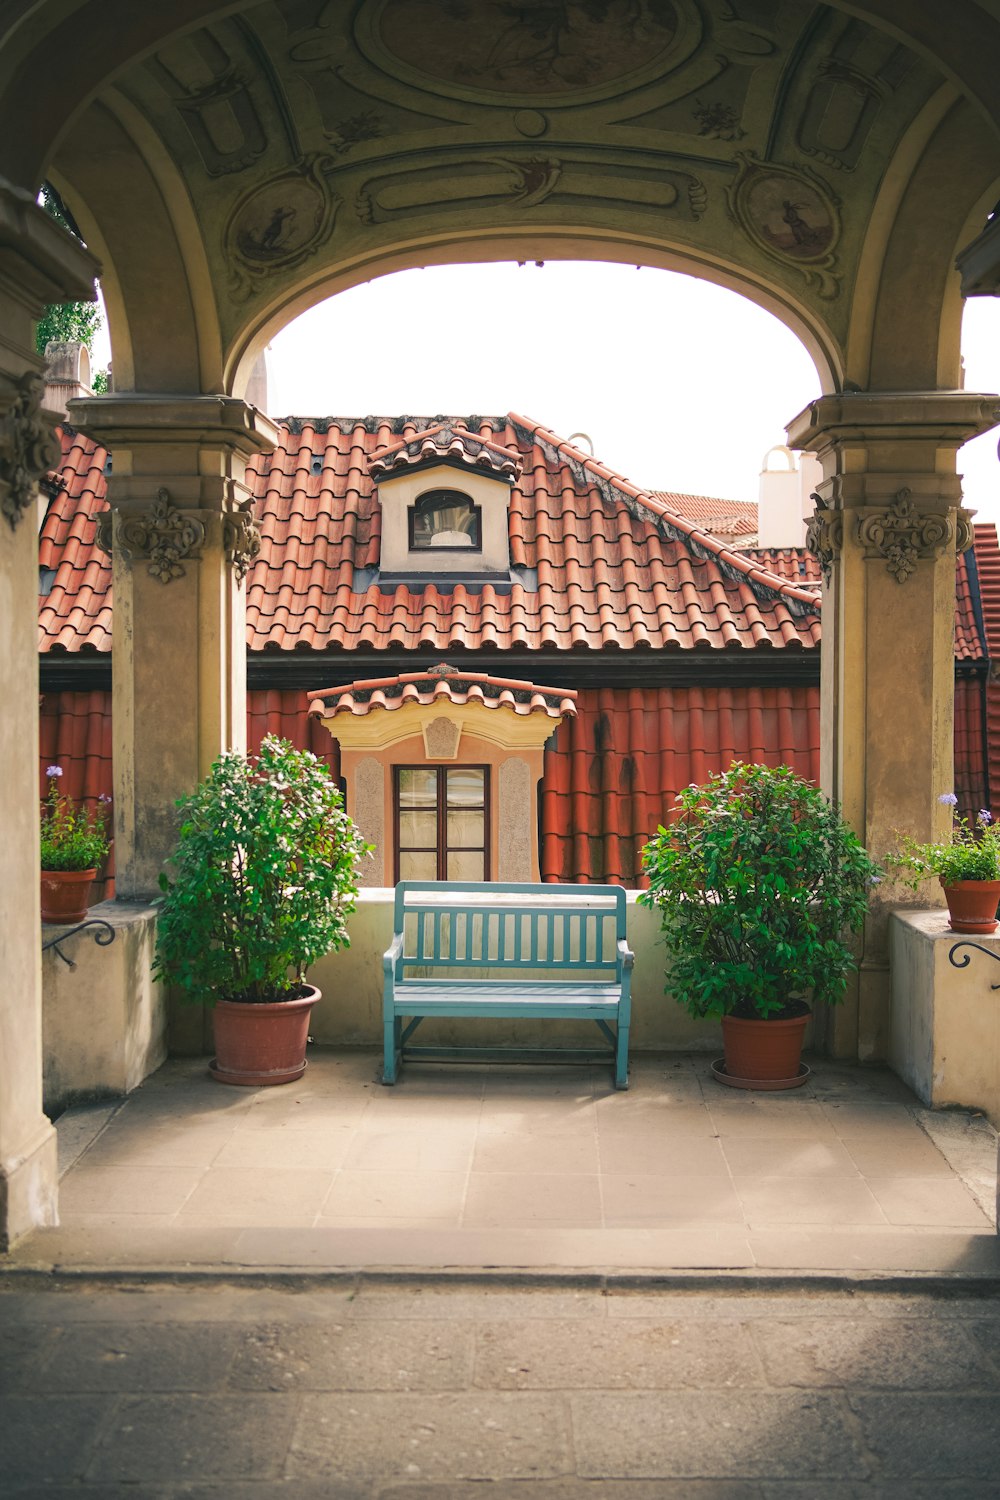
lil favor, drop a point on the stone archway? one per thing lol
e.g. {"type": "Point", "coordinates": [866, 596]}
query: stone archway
{"type": "Point", "coordinates": [231, 163]}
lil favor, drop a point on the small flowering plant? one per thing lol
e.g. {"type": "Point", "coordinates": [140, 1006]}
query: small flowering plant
{"type": "Point", "coordinates": [73, 838]}
{"type": "Point", "coordinates": [969, 853]}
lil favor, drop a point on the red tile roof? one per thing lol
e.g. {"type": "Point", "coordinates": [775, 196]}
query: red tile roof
{"type": "Point", "coordinates": [614, 567]}
{"type": "Point", "coordinates": [736, 519]}
{"type": "Point", "coordinates": [446, 684]}
{"type": "Point", "coordinates": [449, 442]}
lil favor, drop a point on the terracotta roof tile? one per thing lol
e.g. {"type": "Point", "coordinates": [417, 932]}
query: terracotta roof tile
{"type": "Point", "coordinates": [450, 441]}
{"type": "Point", "coordinates": [442, 683]}
{"type": "Point", "coordinates": [735, 519]}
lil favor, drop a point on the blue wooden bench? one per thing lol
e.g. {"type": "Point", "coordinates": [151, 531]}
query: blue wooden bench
{"type": "Point", "coordinates": [462, 948]}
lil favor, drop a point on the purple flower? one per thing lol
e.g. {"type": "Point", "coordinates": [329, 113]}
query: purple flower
{"type": "Point", "coordinates": [53, 770]}
{"type": "Point", "coordinates": [104, 798]}
{"type": "Point", "coordinates": [948, 799]}
{"type": "Point", "coordinates": [874, 880]}
{"type": "Point", "coordinates": [985, 816]}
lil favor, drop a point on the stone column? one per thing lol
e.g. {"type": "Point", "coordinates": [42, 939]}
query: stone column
{"type": "Point", "coordinates": [181, 534]}
{"type": "Point", "coordinates": [39, 263]}
{"type": "Point", "coordinates": [887, 525]}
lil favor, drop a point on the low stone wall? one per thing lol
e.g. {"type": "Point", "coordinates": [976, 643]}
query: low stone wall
{"type": "Point", "coordinates": [350, 1013]}
{"type": "Point", "coordinates": [944, 1036]}
{"type": "Point", "coordinates": [104, 1022]}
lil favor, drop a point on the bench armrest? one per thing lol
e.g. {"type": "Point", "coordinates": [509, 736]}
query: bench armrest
{"type": "Point", "coordinates": [391, 954]}
{"type": "Point", "coordinates": [625, 955]}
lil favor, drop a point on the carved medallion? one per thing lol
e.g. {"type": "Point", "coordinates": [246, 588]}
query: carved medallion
{"type": "Point", "coordinates": [279, 224]}
{"type": "Point", "coordinates": [241, 539]}
{"type": "Point", "coordinates": [27, 443]}
{"type": "Point", "coordinates": [537, 50]}
{"type": "Point", "coordinates": [902, 535]}
{"type": "Point", "coordinates": [164, 535]}
{"type": "Point", "coordinates": [791, 214]}
{"type": "Point", "coordinates": [825, 536]}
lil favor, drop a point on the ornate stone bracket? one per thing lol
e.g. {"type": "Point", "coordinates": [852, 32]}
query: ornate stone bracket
{"type": "Point", "coordinates": [241, 539]}
{"type": "Point", "coordinates": [825, 536]}
{"type": "Point", "coordinates": [902, 535]}
{"type": "Point", "coordinates": [27, 443]}
{"type": "Point", "coordinates": [164, 535]}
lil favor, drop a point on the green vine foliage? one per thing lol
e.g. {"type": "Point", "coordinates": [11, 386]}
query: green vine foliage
{"type": "Point", "coordinates": [758, 883]}
{"type": "Point", "coordinates": [262, 880]}
{"type": "Point", "coordinates": [66, 322]}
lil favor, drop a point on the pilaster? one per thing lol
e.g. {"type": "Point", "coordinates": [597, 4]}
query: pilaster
{"type": "Point", "coordinates": [182, 536]}
{"type": "Point", "coordinates": [887, 527]}
{"type": "Point", "coordinates": [39, 263]}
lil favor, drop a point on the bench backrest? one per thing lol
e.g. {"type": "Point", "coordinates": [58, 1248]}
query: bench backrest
{"type": "Point", "coordinates": [485, 925]}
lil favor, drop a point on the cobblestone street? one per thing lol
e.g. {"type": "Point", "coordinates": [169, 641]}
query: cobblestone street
{"type": "Point", "coordinates": [422, 1389]}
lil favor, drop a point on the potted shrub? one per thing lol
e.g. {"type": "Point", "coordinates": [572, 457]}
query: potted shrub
{"type": "Point", "coordinates": [74, 841]}
{"type": "Point", "coordinates": [967, 864]}
{"type": "Point", "coordinates": [758, 881]}
{"type": "Point", "coordinates": [259, 887]}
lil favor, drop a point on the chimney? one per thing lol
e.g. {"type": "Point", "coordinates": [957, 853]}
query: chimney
{"type": "Point", "coordinates": [67, 374]}
{"type": "Point", "coordinates": [784, 502]}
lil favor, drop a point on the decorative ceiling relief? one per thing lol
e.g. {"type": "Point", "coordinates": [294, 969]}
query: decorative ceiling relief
{"type": "Point", "coordinates": [791, 214]}
{"type": "Point", "coordinates": [213, 99]}
{"type": "Point", "coordinates": [574, 51]}
{"type": "Point", "coordinates": [847, 93]}
{"type": "Point", "coordinates": [524, 183]}
{"type": "Point", "coordinates": [280, 224]}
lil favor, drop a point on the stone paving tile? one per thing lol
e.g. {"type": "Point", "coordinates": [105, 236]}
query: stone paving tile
{"type": "Point", "coordinates": [370, 1356]}
{"type": "Point", "coordinates": [768, 1201]}
{"type": "Point", "coordinates": [917, 1157]}
{"type": "Point", "coordinates": [48, 1438]}
{"type": "Point", "coordinates": [373, 1303]}
{"type": "Point", "coordinates": [660, 1153]}
{"type": "Point", "coordinates": [769, 1157]}
{"type": "Point", "coordinates": [761, 1119]}
{"type": "Point", "coordinates": [174, 1437]}
{"type": "Point", "coordinates": [672, 1201]}
{"type": "Point", "coordinates": [484, 1435]}
{"type": "Point", "coordinates": [868, 1353]}
{"type": "Point", "coordinates": [725, 1435]}
{"type": "Point", "coordinates": [943, 1203]}
{"type": "Point", "coordinates": [257, 1195]}
{"type": "Point", "coordinates": [386, 1147]}
{"type": "Point", "coordinates": [126, 1190]}
{"type": "Point", "coordinates": [510, 1200]}
{"type": "Point", "coordinates": [517, 1151]}
{"type": "Point", "coordinates": [22, 1350]}
{"type": "Point", "coordinates": [931, 1437]}
{"type": "Point", "coordinates": [426, 1195]}
{"type": "Point", "coordinates": [102, 1357]}
{"type": "Point", "coordinates": [887, 1249]}
{"type": "Point", "coordinates": [632, 1355]}
{"type": "Point", "coordinates": [327, 1149]}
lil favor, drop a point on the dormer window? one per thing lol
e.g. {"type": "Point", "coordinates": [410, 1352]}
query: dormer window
{"type": "Point", "coordinates": [445, 519]}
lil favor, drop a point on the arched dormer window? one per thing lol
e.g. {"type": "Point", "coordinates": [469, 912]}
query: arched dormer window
{"type": "Point", "coordinates": [445, 519]}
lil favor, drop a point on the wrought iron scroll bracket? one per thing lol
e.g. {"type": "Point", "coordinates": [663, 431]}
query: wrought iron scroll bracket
{"type": "Point", "coordinates": [103, 938]}
{"type": "Point", "coordinates": [966, 959]}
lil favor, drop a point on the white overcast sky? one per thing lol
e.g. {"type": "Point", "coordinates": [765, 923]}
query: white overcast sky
{"type": "Point", "coordinates": [680, 384]}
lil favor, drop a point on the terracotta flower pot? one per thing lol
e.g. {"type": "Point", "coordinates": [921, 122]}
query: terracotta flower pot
{"type": "Point", "coordinates": [972, 905]}
{"type": "Point", "coordinates": [261, 1044]}
{"type": "Point", "coordinates": [768, 1052]}
{"type": "Point", "coordinates": [66, 895]}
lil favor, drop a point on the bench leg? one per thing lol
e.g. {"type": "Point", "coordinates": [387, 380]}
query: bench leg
{"type": "Point", "coordinates": [392, 1030]}
{"type": "Point", "coordinates": [621, 1058]}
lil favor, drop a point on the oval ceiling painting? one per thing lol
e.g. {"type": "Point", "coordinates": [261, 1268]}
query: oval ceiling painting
{"type": "Point", "coordinates": [540, 47]}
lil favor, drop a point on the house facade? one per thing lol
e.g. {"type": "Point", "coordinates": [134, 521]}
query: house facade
{"type": "Point", "coordinates": [511, 656]}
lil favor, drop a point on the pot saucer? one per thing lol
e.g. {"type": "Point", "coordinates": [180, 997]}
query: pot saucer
{"type": "Point", "coordinates": [767, 1085]}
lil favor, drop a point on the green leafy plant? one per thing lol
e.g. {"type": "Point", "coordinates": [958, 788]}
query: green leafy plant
{"type": "Point", "coordinates": [966, 854]}
{"type": "Point", "coordinates": [264, 877]}
{"type": "Point", "coordinates": [758, 882]}
{"type": "Point", "coordinates": [72, 837]}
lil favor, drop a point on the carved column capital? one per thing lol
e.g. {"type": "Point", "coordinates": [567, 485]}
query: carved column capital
{"type": "Point", "coordinates": [163, 535]}
{"type": "Point", "coordinates": [903, 535]}
{"type": "Point", "coordinates": [27, 443]}
{"type": "Point", "coordinates": [825, 536]}
{"type": "Point", "coordinates": [240, 539]}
